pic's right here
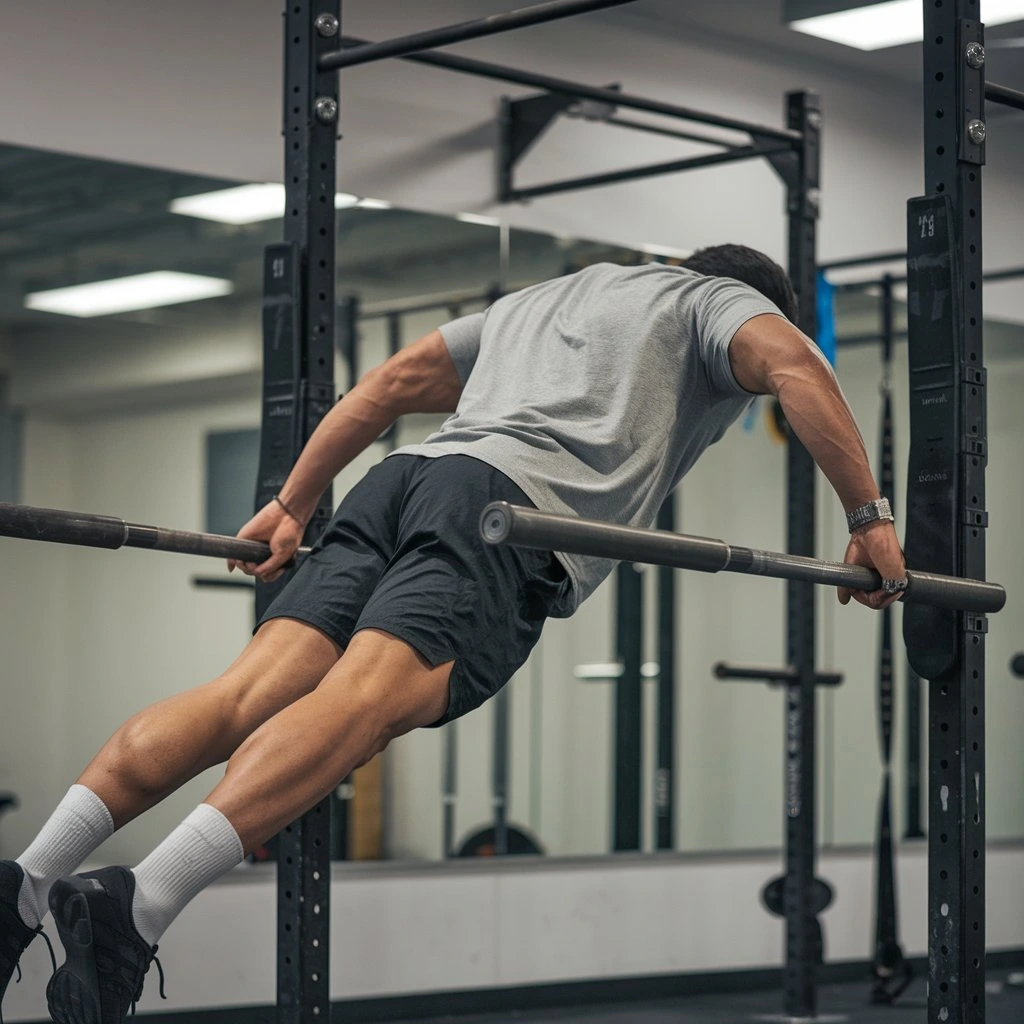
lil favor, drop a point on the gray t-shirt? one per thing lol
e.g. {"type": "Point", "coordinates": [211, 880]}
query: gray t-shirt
{"type": "Point", "coordinates": [597, 392]}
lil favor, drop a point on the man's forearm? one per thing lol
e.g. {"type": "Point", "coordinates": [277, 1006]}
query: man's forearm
{"type": "Point", "coordinates": [345, 432]}
{"type": "Point", "coordinates": [821, 418]}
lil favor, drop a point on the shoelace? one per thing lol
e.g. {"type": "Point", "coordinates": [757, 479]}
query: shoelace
{"type": "Point", "coordinates": [49, 946]}
{"type": "Point", "coordinates": [53, 960]}
{"type": "Point", "coordinates": [160, 971]}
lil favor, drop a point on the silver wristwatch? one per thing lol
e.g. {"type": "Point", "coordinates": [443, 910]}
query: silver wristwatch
{"type": "Point", "coordinates": [870, 513]}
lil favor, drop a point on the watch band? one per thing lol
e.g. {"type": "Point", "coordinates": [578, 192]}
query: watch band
{"type": "Point", "coordinates": [870, 513]}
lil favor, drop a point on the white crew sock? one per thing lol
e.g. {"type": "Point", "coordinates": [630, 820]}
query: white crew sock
{"type": "Point", "coordinates": [80, 824]}
{"type": "Point", "coordinates": [202, 848]}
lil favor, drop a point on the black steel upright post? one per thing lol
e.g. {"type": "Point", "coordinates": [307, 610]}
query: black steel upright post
{"type": "Point", "coordinates": [946, 515]}
{"type": "Point", "coordinates": [664, 778]}
{"type": "Point", "coordinates": [803, 934]}
{"type": "Point", "coordinates": [628, 705]}
{"type": "Point", "coordinates": [298, 390]}
{"type": "Point", "coordinates": [348, 336]}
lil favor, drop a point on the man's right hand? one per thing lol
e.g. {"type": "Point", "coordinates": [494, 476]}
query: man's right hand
{"type": "Point", "coordinates": [284, 535]}
{"type": "Point", "coordinates": [877, 547]}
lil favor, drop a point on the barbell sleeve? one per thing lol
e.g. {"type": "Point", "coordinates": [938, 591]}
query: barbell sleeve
{"type": "Point", "coordinates": [503, 523]}
{"type": "Point", "coordinates": [26, 522]}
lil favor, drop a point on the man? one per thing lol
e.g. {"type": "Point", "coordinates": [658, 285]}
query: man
{"type": "Point", "coordinates": [591, 395]}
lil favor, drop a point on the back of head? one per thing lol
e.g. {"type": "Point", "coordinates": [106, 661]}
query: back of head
{"type": "Point", "coordinates": [752, 268]}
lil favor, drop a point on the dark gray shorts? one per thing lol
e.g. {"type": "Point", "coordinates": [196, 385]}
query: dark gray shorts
{"type": "Point", "coordinates": [403, 554]}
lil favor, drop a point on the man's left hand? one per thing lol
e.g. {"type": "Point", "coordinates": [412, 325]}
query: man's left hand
{"type": "Point", "coordinates": [877, 547]}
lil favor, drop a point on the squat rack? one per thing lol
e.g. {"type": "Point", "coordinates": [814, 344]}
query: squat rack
{"type": "Point", "coordinates": [946, 489]}
{"type": "Point", "coordinates": [299, 320]}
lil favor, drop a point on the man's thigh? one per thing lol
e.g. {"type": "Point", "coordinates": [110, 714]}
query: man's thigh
{"type": "Point", "coordinates": [398, 687]}
{"type": "Point", "coordinates": [283, 662]}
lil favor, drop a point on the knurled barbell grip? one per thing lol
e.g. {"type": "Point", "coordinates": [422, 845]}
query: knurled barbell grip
{"type": "Point", "coordinates": [503, 523]}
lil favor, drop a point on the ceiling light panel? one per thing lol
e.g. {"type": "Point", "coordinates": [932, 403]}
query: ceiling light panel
{"type": "Point", "coordinates": [245, 204]}
{"type": "Point", "coordinates": [128, 294]}
{"type": "Point", "coordinates": [892, 23]}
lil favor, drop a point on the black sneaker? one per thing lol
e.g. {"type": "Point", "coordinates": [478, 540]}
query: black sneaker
{"type": "Point", "coordinates": [107, 959]}
{"type": "Point", "coordinates": [15, 935]}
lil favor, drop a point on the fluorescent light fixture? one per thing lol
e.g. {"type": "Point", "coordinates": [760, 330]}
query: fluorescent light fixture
{"type": "Point", "coordinates": [892, 23]}
{"type": "Point", "coordinates": [127, 294]}
{"type": "Point", "coordinates": [246, 204]}
{"type": "Point", "coordinates": [374, 204]}
{"type": "Point", "coordinates": [478, 218]}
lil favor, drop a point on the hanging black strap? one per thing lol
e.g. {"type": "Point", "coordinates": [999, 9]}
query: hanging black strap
{"type": "Point", "coordinates": [892, 972]}
{"type": "Point", "coordinates": [885, 684]}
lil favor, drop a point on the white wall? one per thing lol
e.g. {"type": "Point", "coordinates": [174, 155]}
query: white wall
{"type": "Point", "coordinates": [35, 662]}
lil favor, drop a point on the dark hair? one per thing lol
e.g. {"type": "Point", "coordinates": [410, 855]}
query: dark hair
{"type": "Point", "coordinates": [751, 267]}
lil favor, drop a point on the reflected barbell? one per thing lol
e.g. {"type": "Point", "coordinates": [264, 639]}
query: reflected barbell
{"type": "Point", "coordinates": [27, 522]}
{"type": "Point", "coordinates": [503, 523]}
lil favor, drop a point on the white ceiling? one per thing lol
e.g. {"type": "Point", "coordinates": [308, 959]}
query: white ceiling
{"type": "Point", "coordinates": [757, 26]}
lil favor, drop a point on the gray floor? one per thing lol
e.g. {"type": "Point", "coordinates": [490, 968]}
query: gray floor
{"type": "Point", "coordinates": [837, 1002]}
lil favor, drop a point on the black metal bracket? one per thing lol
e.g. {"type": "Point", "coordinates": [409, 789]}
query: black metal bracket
{"type": "Point", "coordinates": [970, 87]}
{"type": "Point", "coordinates": [222, 583]}
{"type": "Point", "coordinates": [786, 164]}
{"type": "Point", "coordinates": [784, 676]}
{"type": "Point", "coordinates": [522, 122]}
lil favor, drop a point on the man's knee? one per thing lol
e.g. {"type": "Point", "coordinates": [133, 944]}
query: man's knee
{"type": "Point", "coordinates": [135, 750]}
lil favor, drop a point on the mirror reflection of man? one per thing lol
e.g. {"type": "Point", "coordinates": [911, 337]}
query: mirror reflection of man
{"type": "Point", "coordinates": [590, 395]}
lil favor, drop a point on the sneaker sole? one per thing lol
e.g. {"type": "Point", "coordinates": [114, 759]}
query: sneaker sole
{"type": "Point", "coordinates": [72, 996]}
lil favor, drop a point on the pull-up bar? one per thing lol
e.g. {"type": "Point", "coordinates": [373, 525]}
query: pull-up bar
{"type": "Point", "coordinates": [538, 14]}
{"type": "Point", "coordinates": [26, 522]}
{"type": "Point", "coordinates": [502, 523]}
{"type": "Point", "coordinates": [577, 90]}
{"type": "Point", "coordinates": [1001, 94]}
